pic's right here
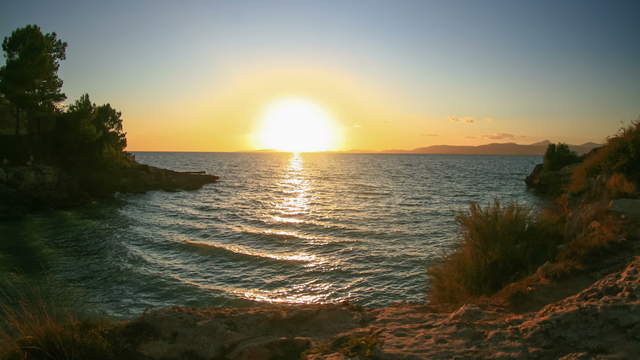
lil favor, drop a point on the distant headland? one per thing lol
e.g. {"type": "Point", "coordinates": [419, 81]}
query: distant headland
{"type": "Point", "coordinates": [509, 148]}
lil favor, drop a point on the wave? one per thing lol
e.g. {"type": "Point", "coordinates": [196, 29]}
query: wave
{"type": "Point", "coordinates": [320, 232]}
{"type": "Point", "coordinates": [267, 233]}
{"type": "Point", "coordinates": [253, 253]}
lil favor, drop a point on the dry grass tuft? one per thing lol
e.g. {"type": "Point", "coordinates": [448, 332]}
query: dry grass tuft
{"type": "Point", "coordinates": [500, 244]}
{"type": "Point", "coordinates": [590, 230]}
{"type": "Point", "coordinates": [619, 157]}
{"type": "Point", "coordinates": [34, 327]}
{"type": "Point", "coordinates": [618, 186]}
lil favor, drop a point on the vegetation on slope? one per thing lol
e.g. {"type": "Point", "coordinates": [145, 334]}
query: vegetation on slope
{"type": "Point", "coordinates": [613, 170]}
{"type": "Point", "coordinates": [501, 244]}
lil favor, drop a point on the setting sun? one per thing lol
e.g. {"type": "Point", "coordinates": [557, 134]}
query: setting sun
{"type": "Point", "coordinates": [296, 125]}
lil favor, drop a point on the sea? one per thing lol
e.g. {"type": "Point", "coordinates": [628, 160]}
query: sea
{"type": "Point", "coordinates": [275, 228]}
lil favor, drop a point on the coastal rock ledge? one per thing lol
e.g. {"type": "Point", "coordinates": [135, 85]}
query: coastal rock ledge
{"type": "Point", "coordinates": [600, 322]}
{"type": "Point", "coordinates": [28, 187]}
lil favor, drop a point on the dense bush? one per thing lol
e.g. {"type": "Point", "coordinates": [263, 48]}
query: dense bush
{"type": "Point", "coordinates": [558, 156]}
{"type": "Point", "coordinates": [619, 158]}
{"type": "Point", "coordinates": [500, 244]}
{"type": "Point", "coordinates": [90, 136]}
{"type": "Point", "coordinates": [552, 177]}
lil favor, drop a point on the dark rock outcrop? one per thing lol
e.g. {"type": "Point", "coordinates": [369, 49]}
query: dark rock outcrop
{"type": "Point", "coordinates": [142, 178]}
{"type": "Point", "coordinates": [549, 182]}
{"type": "Point", "coordinates": [31, 187]}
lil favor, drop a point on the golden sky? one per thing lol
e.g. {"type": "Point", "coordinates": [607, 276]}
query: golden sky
{"type": "Point", "coordinates": [198, 76]}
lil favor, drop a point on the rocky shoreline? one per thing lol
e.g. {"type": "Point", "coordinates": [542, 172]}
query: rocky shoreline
{"type": "Point", "coordinates": [600, 322]}
{"type": "Point", "coordinates": [33, 187]}
{"type": "Point", "coordinates": [590, 314]}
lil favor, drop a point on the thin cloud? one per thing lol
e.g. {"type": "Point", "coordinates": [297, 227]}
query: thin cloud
{"type": "Point", "coordinates": [466, 119]}
{"type": "Point", "coordinates": [499, 136]}
{"type": "Point", "coordinates": [427, 134]}
{"type": "Point", "coordinates": [471, 119]}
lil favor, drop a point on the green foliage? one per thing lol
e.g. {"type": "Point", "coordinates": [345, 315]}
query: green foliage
{"type": "Point", "coordinates": [558, 156]}
{"type": "Point", "coordinates": [500, 244]}
{"type": "Point", "coordinates": [91, 136]}
{"type": "Point", "coordinates": [85, 136]}
{"type": "Point", "coordinates": [29, 79]}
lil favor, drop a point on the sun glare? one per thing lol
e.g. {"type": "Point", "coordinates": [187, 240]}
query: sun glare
{"type": "Point", "coordinates": [297, 125]}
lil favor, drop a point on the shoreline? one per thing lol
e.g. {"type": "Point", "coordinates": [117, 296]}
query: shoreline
{"type": "Point", "coordinates": [579, 314]}
{"type": "Point", "coordinates": [28, 188]}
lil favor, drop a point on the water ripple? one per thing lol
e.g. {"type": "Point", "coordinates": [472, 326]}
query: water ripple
{"type": "Point", "coordinates": [278, 228]}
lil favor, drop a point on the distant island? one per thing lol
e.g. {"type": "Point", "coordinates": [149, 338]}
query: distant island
{"type": "Point", "coordinates": [509, 148]}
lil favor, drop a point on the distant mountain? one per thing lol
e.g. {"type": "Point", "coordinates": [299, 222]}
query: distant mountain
{"type": "Point", "coordinates": [542, 143]}
{"type": "Point", "coordinates": [494, 149]}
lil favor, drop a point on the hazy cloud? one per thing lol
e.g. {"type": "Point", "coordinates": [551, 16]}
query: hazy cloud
{"type": "Point", "coordinates": [470, 119]}
{"type": "Point", "coordinates": [466, 119]}
{"type": "Point", "coordinates": [427, 134]}
{"type": "Point", "coordinates": [499, 136]}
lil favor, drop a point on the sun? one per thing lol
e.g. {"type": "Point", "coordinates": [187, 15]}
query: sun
{"type": "Point", "coordinates": [296, 124]}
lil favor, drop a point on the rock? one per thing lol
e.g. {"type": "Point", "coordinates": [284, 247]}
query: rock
{"type": "Point", "coordinates": [41, 186]}
{"type": "Point", "coordinates": [550, 182]}
{"type": "Point", "coordinates": [533, 180]}
{"type": "Point", "coordinates": [602, 321]}
{"type": "Point", "coordinates": [269, 332]}
{"type": "Point", "coordinates": [627, 207]}
{"type": "Point", "coordinates": [576, 356]}
{"type": "Point", "coordinates": [467, 312]}
{"type": "Point", "coordinates": [282, 348]}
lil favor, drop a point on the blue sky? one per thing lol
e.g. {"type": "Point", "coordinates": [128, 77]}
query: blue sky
{"type": "Point", "coordinates": [563, 70]}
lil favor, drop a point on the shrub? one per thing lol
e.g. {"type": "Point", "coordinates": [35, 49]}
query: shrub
{"type": "Point", "coordinates": [558, 156]}
{"type": "Point", "coordinates": [38, 324]}
{"type": "Point", "coordinates": [621, 155]}
{"type": "Point", "coordinates": [589, 230]}
{"type": "Point", "coordinates": [619, 186]}
{"type": "Point", "coordinates": [500, 244]}
{"type": "Point", "coordinates": [34, 335]}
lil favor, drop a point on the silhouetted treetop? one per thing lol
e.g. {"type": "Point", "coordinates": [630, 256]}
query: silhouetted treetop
{"type": "Point", "coordinates": [29, 79]}
{"type": "Point", "coordinates": [559, 156]}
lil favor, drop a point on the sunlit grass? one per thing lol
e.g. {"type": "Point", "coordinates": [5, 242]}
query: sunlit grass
{"type": "Point", "coordinates": [616, 166]}
{"type": "Point", "coordinates": [500, 244]}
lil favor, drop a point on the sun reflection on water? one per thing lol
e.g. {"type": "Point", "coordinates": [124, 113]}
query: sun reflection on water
{"type": "Point", "coordinates": [290, 208]}
{"type": "Point", "coordinates": [295, 186]}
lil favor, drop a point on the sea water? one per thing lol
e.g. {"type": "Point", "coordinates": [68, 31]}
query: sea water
{"type": "Point", "coordinates": [276, 228]}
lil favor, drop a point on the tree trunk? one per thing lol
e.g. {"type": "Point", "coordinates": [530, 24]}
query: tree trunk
{"type": "Point", "coordinates": [17, 121]}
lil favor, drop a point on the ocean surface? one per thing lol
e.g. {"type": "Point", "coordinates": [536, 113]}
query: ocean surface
{"type": "Point", "coordinates": [276, 228]}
